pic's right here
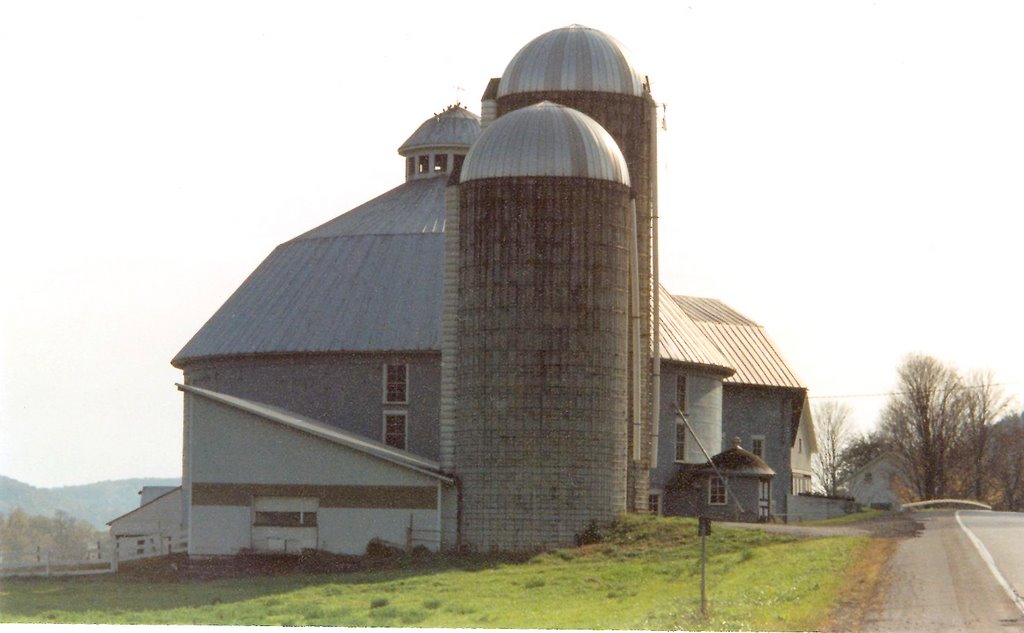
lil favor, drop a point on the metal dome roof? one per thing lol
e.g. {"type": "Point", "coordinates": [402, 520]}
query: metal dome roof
{"type": "Point", "coordinates": [546, 139]}
{"type": "Point", "coordinates": [454, 127]}
{"type": "Point", "coordinates": [573, 58]}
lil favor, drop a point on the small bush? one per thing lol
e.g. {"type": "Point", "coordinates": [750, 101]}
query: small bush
{"type": "Point", "coordinates": [433, 603]}
{"type": "Point", "coordinates": [533, 583]}
{"type": "Point", "coordinates": [592, 534]}
{"type": "Point", "coordinates": [377, 603]}
{"type": "Point", "coordinates": [378, 548]}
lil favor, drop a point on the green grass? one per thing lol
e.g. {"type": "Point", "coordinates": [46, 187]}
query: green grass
{"type": "Point", "coordinates": [849, 518]}
{"type": "Point", "coordinates": [645, 574]}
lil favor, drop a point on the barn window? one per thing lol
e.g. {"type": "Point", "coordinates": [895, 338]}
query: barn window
{"type": "Point", "coordinates": [680, 442]}
{"type": "Point", "coordinates": [395, 429]}
{"type": "Point", "coordinates": [716, 491]}
{"type": "Point", "coordinates": [396, 384]}
{"type": "Point", "coordinates": [457, 163]}
{"type": "Point", "coordinates": [757, 445]}
{"type": "Point", "coordinates": [440, 163]}
{"type": "Point", "coordinates": [681, 393]}
{"type": "Point", "coordinates": [654, 503]}
{"type": "Point", "coordinates": [285, 519]}
{"type": "Point", "coordinates": [423, 163]}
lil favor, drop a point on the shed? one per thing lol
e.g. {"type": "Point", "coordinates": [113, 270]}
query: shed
{"type": "Point", "coordinates": [261, 478]}
{"type": "Point", "coordinates": [734, 485]}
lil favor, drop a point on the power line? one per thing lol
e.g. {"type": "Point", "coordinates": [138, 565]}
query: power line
{"type": "Point", "coordinates": [903, 393]}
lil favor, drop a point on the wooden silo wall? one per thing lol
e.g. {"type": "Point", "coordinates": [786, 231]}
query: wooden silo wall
{"type": "Point", "coordinates": [631, 121]}
{"type": "Point", "coordinates": [542, 359]}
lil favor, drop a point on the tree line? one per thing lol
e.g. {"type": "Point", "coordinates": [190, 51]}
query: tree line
{"type": "Point", "coordinates": [62, 535]}
{"type": "Point", "coordinates": [955, 435]}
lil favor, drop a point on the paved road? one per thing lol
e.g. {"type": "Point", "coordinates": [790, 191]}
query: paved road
{"type": "Point", "coordinates": [938, 581]}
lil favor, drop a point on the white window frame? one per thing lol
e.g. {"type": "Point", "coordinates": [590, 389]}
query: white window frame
{"type": "Point", "coordinates": [725, 491]}
{"type": "Point", "coordinates": [755, 438]}
{"type": "Point", "coordinates": [679, 455]}
{"type": "Point", "coordinates": [384, 382]}
{"type": "Point", "coordinates": [405, 429]}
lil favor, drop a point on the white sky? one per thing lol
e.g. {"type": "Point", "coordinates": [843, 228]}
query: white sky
{"type": "Point", "coordinates": [850, 175]}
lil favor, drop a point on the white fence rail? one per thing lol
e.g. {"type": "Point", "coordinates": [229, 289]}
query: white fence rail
{"type": "Point", "coordinates": [95, 560]}
{"type": "Point", "coordinates": [45, 563]}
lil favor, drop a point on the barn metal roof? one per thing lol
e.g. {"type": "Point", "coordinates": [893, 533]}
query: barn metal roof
{"type": "Point", "coordinates": [323, 431]}
{"type": "Point", "coordinates": [453, 127]}
{"type": "Point", "coordinates": [546, 139]}
{"type": "Point", "coordinates": [369, 280]}
{"type": "Point", "coordinates": [681, 339]}
{"type": "Point", "coordinates": [572, 58]}
{"type": "Point", "coordinates": [744, 343]}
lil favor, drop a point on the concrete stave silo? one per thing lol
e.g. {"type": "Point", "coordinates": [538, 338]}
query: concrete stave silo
{"type": "Point", "coordinates": [591, 72]}
{"type": "Point", "coordinates": [540, 443]}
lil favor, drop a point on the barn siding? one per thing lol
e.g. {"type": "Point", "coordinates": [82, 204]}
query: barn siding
{"type": "Point", "coordinates": [343, 390]}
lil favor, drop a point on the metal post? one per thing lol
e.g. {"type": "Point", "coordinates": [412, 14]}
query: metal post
{"type": "Point", "coordinates": [703, 566]}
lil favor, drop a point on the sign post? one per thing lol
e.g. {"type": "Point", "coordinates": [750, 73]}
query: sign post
{"type": "Point", "coordinates": [703, 529]}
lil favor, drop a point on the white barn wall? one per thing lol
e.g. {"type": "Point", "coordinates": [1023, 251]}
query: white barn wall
{"type": "Point", "coordinates": [236, 455]}
{"type": "Point", "coordinates": [160, 516]}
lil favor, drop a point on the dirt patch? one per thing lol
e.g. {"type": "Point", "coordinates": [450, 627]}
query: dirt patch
{"type": "Point", "coordinates": [862, 591]}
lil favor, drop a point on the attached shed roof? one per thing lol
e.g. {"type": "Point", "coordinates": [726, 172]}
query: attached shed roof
{"type": "Point", "coordinates": [324, 431]}
{"type": "Point", "coordinates": [171, 490]}
{"type": "Point", "coordinates": [744, 343]}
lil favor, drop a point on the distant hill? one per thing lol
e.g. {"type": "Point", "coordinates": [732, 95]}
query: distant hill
{"type": "Point", "coordinates": [96, 503]}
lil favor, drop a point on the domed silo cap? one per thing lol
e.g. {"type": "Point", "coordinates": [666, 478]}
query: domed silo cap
{"type": "Point", "coordinates": [546, 139]}
{"type": "Point", "coordinates": [572, 58]}
{"type": "Point", "coordinates": [454, 127]}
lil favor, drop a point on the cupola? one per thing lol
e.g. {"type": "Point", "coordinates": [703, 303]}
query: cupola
{"type": "Point", "coordinates": [440, 144]}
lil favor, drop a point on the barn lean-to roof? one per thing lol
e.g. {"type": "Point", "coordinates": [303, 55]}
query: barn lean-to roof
{"type": "Point", "coordinates": [324, 431]}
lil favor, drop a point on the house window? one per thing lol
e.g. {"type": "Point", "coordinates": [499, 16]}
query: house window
{"type": "Point", "coordinates": [423, 164]}
{"type": "Point", "coordinates": [800, 484]}
{"type": "Point", "coordinates": [440, 163]}
{"type": "Point", "coordinates": [757, 445]}
{"type": "Point", "coordinates": [654, 503]}
{"type": "Point", "coordinates": [681, 393]}
{"type": "Point", "coordinates": [395, 428]}
{"type": "Point", "coordinates": [680, 442]}
{"type": "Point", "coordinates": [396, 384]}
{"type": "Point", "coordinates": [716, 491]}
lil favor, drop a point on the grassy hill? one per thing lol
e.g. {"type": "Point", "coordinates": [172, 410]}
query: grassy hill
{"type": "Point", "coordinates": [644, 574]}
{"type": "Point", "coordinates": [96, 503]}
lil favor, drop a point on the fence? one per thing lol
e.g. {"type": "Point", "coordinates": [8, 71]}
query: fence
{"type": "Point", "coordinates": [95, 560]}
{"type": "Point", "coordinates": [134, 547]}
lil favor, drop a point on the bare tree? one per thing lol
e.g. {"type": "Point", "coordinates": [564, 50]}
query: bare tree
{"type": "Point", "coordinates": [1008, 463]}
{"type": "Point", "coordinates": [922, 422]}
{"type": "Point", "coordinates": [831, 425]}
{"type": "Point", "coordinates": [983, 403]}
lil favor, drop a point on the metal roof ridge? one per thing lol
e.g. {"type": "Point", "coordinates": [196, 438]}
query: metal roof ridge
{"type": "Point", "coordinates": [322, 430]}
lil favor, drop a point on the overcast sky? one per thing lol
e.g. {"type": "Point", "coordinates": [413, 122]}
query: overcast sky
{"type": "Point", "coordinates": [850, 175]}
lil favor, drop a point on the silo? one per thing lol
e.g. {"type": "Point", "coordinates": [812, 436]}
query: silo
{"type": "Point", "coordinates": [543, 325]}
{"type": "Point", "coordinates": [591, 72]}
